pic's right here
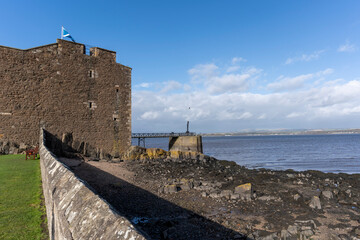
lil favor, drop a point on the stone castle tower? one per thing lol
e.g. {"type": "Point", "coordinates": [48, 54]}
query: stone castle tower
{"type": "Point", "coordinates": [60, 87]}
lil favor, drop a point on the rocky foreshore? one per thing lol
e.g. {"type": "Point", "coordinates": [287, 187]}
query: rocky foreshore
{"type": "Point", "coordinates": [177, 195]}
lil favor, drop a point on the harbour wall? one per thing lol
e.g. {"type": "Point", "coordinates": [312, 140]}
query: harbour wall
{"type": "Point", "coordinates": [186, 144]}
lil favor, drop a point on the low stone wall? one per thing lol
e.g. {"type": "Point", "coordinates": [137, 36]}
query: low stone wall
{"type": "Point", "coordinates": [74, 210]}
{"type": "Point", "coordinates": [7, 147]}
{"type": "Point", "coordinates": [67, 146]}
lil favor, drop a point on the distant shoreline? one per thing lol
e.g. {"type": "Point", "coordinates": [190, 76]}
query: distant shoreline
{"type": "Point", "coordinates": [284, 133]}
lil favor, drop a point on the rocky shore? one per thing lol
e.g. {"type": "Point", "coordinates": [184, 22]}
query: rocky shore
{"type": "Point", "coordinates": [177, 195]}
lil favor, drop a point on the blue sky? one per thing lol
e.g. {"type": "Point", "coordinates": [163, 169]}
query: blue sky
{"type": "Point", "coordinates": [238, 65]}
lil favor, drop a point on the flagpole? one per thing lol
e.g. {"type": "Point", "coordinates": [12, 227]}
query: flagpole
{"type": "Point", "coordinates": [62, 30]}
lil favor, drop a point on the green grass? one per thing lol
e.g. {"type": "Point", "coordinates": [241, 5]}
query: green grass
{"type": "Point", "coordinates": [20, 198]}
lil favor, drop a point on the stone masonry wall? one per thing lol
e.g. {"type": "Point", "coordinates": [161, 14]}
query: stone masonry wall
{"type": "Point", "coordinates": [59, 87]}
{"type": "Point", "coordinates": [186, 144]}
{"type": "Point", "coordinates": [73, 210]}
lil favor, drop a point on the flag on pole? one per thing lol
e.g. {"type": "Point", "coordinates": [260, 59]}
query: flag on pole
{"type": "Point", "coordinates": [65, 33]}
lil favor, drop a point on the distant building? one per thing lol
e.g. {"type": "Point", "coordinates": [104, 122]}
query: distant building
{"type": "Point", "coordinates": [62, 88]}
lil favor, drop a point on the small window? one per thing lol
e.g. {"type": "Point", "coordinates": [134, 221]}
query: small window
{"type": "Point", "coordinates": [92, 73]}
{"type": "Point", "coordinates": [115, 117]}
{"type": "Point", "coordinates": [91, 105]}
{"type": "Point", "coordinates": [117, 87]}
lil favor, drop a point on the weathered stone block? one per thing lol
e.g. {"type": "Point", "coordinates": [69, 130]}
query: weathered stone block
{"type": "Point", "coordinates": [186, 184]}
{"type": "Point", "coordinates": [226, 193]}
{"type": "Point", "coordinates": [296, 197]}
{"type": "Point", "coordinates": [134, 153]}
{"type": "Point", "coordinates": [315, 202]}
{"type": "Point", "coordinates": [176, 155]}
{"type": "Point", "coordinates": [172, 188]}
{"type": "Point", "coordinates": [156, 153]}
{"type": "Point", "coordinates": [293, 230]}
{"type": "Point", "coordinates": [327, 194]}
{"type": "Point", "coordinates": [234, 196]}
{"type": "Point", "coordinates": [214, 195]}
{"type": "Point", "coordinates": [245, 191]}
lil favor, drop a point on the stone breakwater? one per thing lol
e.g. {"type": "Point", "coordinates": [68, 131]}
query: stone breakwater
{"type": "Point", "coordinates": [222, 200]}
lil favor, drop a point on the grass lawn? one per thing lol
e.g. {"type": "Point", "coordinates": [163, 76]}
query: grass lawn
{"type": "Point", "coordinates": [20, 198]}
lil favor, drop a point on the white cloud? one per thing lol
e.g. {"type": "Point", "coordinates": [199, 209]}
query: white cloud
{"type": "Point", "coordinates": [262, 116]}
{"type": "Point", "coordinates": [226, 115]}
{"type": "Point", "coordinates": [232, 69]}
{"type": "Point", "coordinates": [150, 115]}
{"type": "Point", "coordinates": [347, 47]}
{"type": "Point", "coordinates": [187, 87]}
{"type": "Point", "coordinates": [223, 101]}
{"type": "Point", "coordinates": [201, 71]}
{"type": "Point", "coordinates": [171, 86]}
{"type": "Point", "coordinates": [228, 83]}
{"type": "Point", "coordinates": [325, 72]}
{"type": "Point", "coordinates": [235, 64]}
{"type": "Point", "coordinates": [228, 110]}
{"type": "Point", "coordinates": [210, 76]}
{"type": "Point", "coordinates": [237, 59]}
{"type": "Point", "coordinates": [143, 85]}
{"type": "Point", "coordinates": [245, 115]}
{"type": "Point", "coordinates": [294, 115]}
{"type": "Point", "coordinates": [334, 82]}
{"type": "Point", "coordinates": [293, 83]}
{"type": "Point", "coordinates": [305, 57]}
{"type": "Point", "coordinates": [286, 83]}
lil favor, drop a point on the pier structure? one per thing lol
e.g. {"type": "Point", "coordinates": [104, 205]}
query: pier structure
{"type": "Point", "coordinates": [188, 141]}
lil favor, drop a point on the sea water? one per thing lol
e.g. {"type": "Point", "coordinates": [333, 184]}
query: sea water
{"type": "Point", "coordinates": [328, 153]}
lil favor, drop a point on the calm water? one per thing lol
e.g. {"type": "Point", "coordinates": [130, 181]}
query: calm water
{"type": "Point", "coordinates": [327, 153]}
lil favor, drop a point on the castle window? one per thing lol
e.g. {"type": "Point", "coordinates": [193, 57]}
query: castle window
{"type": "Point", "coordinates": [92, 73]}
{"type": "Point", "coordinates": [91, 105]}
{"type": "Point", "coordinates": [117, 87]}
{"type": "Point", "coordinates": [115, 117]}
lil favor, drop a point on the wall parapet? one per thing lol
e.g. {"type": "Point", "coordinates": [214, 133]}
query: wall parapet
{"type": "Point", "coordinates": [77, 48]}
{"type": "Point", "coordinates": [28, 49]}
{"type": "Point", "coordinates": [73, 209]}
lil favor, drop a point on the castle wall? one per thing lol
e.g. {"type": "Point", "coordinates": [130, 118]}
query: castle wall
{"type": "Point", "coordinates": [59, 87]}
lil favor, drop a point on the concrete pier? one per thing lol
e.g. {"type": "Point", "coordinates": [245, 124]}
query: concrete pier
{"type": "Point", "coordinates": [186, 144]}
